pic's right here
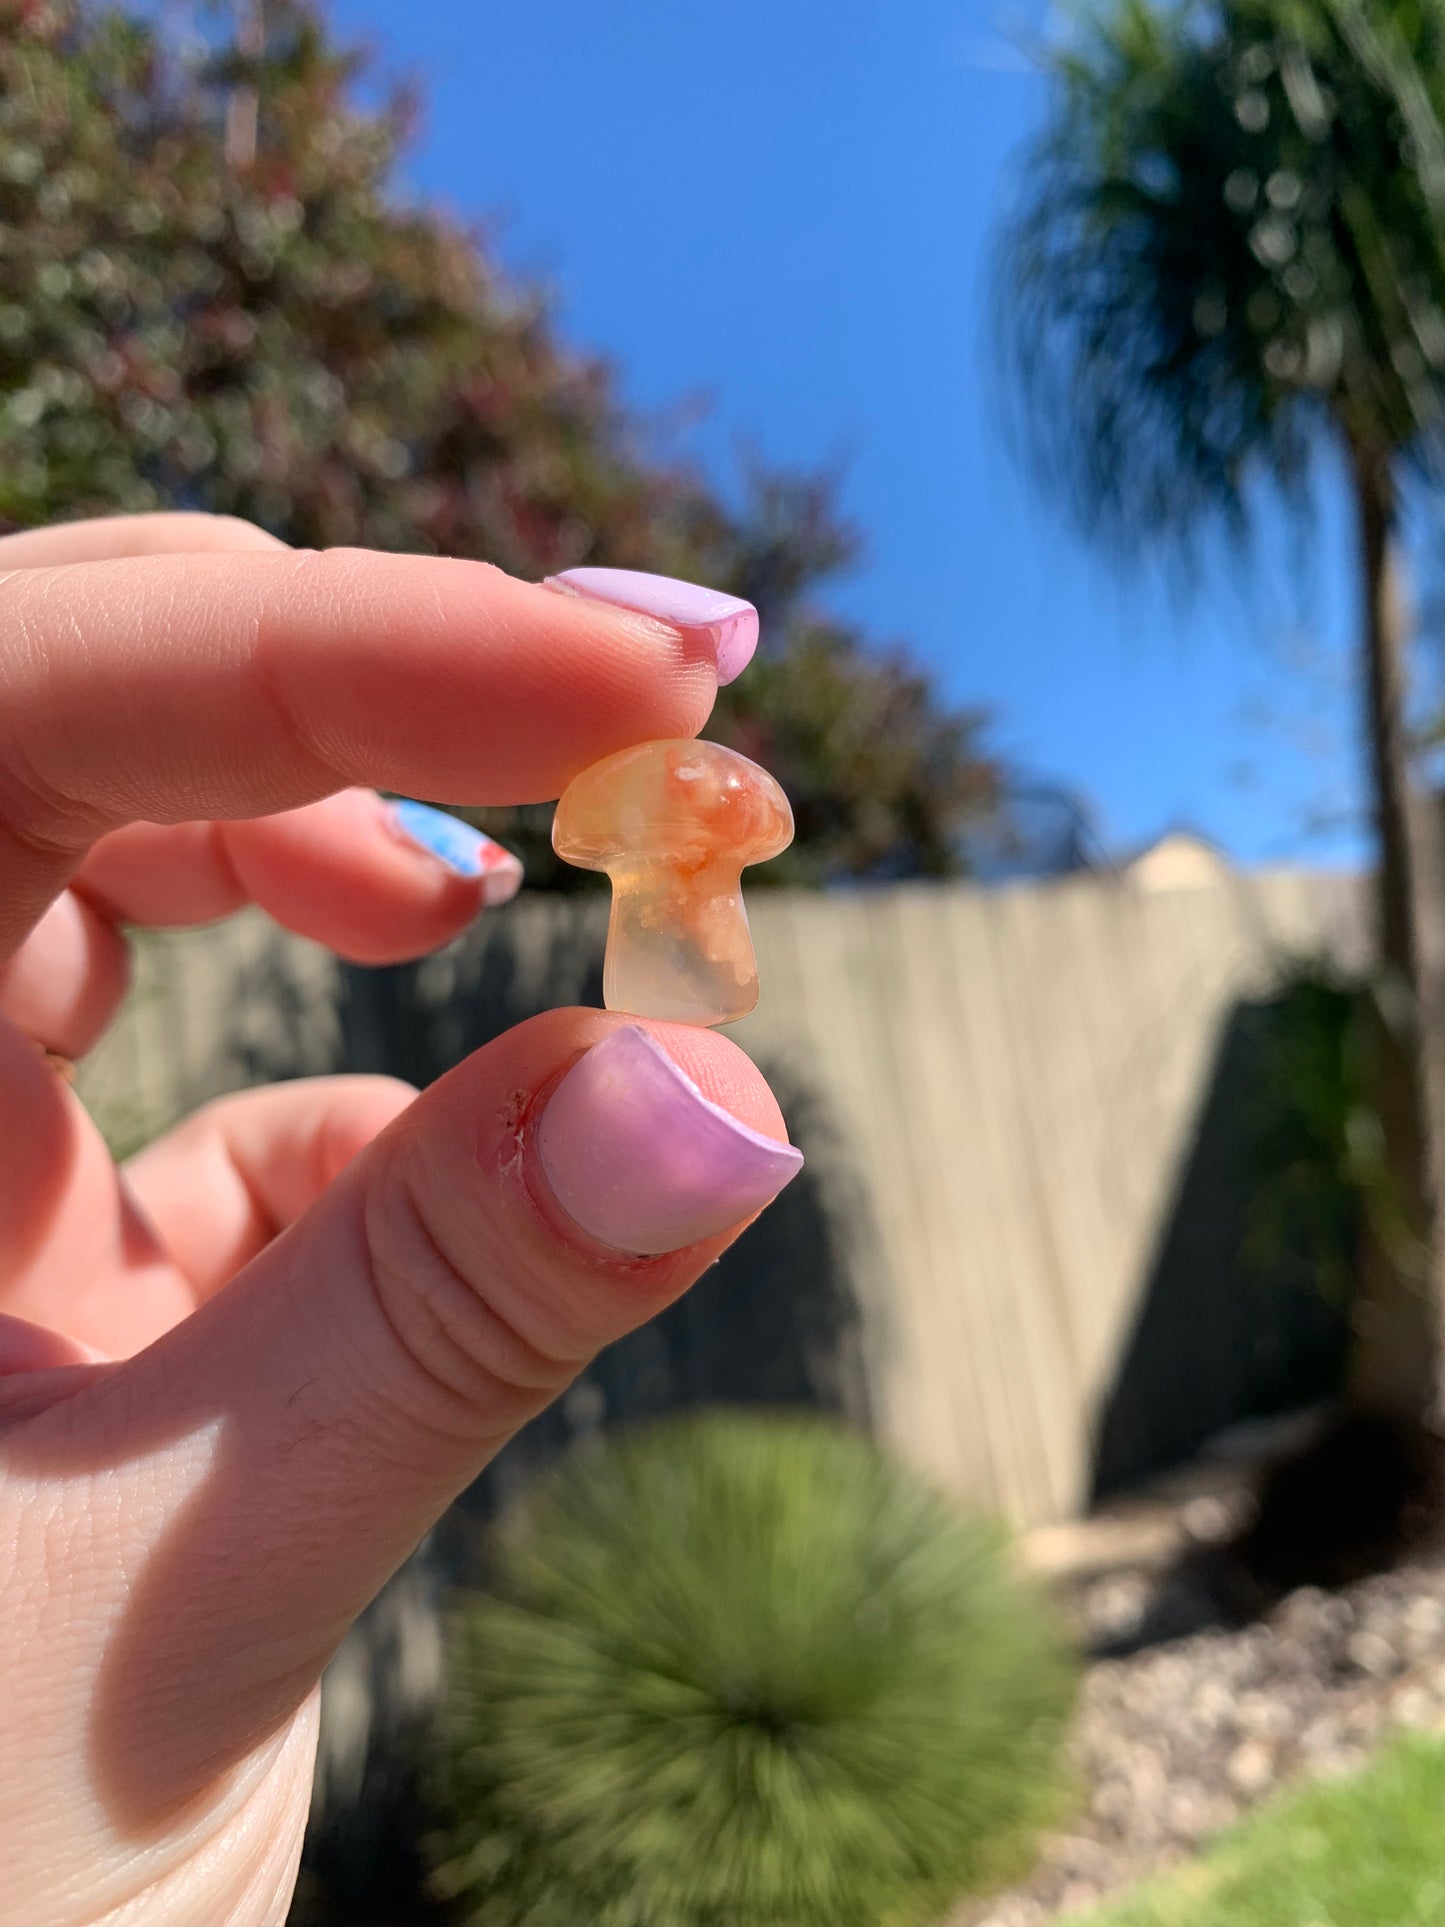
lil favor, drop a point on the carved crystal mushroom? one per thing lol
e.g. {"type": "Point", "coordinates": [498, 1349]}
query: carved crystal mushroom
{"type": "Point", "coordinates": [673, 824]}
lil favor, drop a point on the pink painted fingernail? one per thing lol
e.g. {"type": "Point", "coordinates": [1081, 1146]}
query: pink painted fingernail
{"type": "Point", "coordinates": [642, 1161]}
{"type": "Point", "coordinates": [728, 620]}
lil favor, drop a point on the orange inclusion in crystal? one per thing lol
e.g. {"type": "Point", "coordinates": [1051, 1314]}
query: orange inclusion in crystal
{"type": "Point", "coordinates": [673, 824]}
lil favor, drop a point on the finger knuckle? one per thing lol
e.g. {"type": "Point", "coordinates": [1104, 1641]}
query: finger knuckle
{"type": "Point", "coordinates": [40, 810]}
{"type": "Point", "coordinates": [456, 1341]}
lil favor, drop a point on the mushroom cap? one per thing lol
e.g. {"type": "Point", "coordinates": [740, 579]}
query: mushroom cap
{"type": "Point", "coordinates": [678, 801]}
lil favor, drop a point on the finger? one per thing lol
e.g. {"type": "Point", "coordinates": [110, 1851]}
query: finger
{"type": "Point", "coordinates": [66, 981]}
{"type": "Point", "coordinates": [374, 880]}
{"type": "Point", "coordinates": [166, 688]}
{"type": "Point", "coordinates": [165, 875]}
{"type": "Point", "coordinates": [220, 1187]}
{"type": "Point", "coordinates": [45, 1149]}
{"type": "Point", "coordinates": [76, 1255]}
{"type": "Point", "coordinates": [104, 537]}
{"type": "Point", "coordinates": [27, 1348]}
{"type": "Point", "coordinates": [65, 987]}
{"type": "Point", "coordinates": [274, 1457]}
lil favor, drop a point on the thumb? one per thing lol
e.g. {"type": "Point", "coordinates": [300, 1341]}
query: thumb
{"type": "Point", "coordinates": [245, 1486]}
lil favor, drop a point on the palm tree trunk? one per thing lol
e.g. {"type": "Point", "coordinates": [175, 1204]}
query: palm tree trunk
{"type": "Point", "coordinates": [1396, 1365]}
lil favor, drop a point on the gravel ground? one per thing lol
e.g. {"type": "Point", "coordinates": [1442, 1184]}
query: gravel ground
{"type": "Point", "coordinates": [1177, 1739]}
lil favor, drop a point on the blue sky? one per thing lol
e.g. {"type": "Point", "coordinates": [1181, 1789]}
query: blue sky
{"type": "Point", "coordinates": [785, 206]}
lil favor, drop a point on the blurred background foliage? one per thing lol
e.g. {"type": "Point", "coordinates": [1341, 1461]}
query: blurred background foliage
{"type": "Point", "coordinates": [738, 1671]}
{"type": "Point", "coordinates": [215, 297]}
{"type": "Point", "coordinates": [1317, 1155]}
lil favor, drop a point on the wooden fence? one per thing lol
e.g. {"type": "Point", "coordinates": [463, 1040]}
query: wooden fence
{"type": "Point", "coordinates": [1015, 1252]}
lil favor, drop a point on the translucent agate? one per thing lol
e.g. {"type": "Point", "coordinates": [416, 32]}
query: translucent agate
{"type": "Point", "coordinates": [673, 824]}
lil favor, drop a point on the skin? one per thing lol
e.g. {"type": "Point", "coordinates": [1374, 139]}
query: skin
{"type": "Point", "coordinates": [241, 1377]}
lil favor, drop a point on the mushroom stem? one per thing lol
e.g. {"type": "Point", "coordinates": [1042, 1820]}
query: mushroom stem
{"type": "Point", "coordinates": [678, 946]}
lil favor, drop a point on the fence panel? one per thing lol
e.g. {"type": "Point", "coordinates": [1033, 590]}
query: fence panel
{"type": "Point", "coordinates": [1001, 1095]}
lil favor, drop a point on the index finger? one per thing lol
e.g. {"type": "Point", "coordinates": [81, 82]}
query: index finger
{"type": "Point", "coordinates": [168, 687]}
{"type": "Point", "coordinates": [100, 538]}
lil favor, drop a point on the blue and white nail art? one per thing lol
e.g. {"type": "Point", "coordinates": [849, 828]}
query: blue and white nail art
{"type": "Point", "coordinates": [465, 852]}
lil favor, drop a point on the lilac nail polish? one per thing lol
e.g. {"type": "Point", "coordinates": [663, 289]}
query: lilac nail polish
{"type": "Point", "coordinates": [464, 851]}
{"type": "Point", "coordinates": [731, 622]}
{"type": "Point", "coordinates": [642, 1161]}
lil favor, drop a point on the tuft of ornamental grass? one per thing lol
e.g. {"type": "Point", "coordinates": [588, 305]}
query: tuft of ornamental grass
{"type": "Point", "coordinates": [744, 1671]}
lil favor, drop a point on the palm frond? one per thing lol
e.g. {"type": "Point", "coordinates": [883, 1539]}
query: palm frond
{"type": "Point", "coordinates": [1228, 239]}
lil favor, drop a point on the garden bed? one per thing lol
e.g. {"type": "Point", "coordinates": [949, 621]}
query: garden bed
{"type": "Point", "coordinates": [1177, 1739]}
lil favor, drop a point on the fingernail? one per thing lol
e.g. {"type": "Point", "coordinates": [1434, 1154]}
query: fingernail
{"type": "Point", "coordinates": [731, 622]}
{"type": "Point", "coordinates": [642, 1161]}
{"type": "Point", "coordinates": [464, 851]}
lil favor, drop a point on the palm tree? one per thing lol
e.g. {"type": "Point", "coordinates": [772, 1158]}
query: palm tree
{"type": "Point", "coordinates": [1229, 257]}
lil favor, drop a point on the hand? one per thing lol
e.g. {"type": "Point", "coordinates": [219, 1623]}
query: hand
{"type": "Point", "coordinates": [240, 1378]}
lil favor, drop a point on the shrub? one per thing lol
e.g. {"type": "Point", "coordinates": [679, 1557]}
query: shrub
{"type": "Point", "coordinates": [744, 1672]}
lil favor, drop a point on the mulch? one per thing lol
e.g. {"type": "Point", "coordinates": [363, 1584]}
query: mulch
{"type": "Point", "coordinates": [1185, 1723]}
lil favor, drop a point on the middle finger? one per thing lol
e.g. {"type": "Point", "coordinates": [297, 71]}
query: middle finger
{"type": "Point", "coordinates": [374, 881]}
